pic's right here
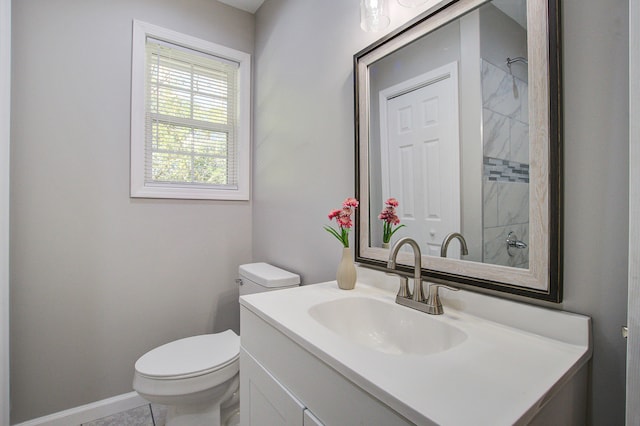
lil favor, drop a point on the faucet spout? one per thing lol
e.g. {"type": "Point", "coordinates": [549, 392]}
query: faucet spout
{"type": "Point", "coordinates": [445, 244]}
{"type": "Point", "coordinates": [432, 305]}
{"type": "Point", "coordinates": [418, 292]}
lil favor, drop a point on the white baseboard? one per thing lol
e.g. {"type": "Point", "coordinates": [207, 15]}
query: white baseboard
{"type": "Point", "coordinates": [86, 413]}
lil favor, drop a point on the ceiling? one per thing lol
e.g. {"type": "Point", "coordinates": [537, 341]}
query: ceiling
{"type": "Point", "coordinates": [517, 10]}
{"type": "Point", "coordinates": [248, 5]}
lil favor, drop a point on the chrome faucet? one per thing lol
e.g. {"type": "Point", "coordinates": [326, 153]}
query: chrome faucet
{"type": "Point", "coordinates": [418, 292]}
{"type": "Point", "coordinates": [432, 304]}
{"type": "Point", "coordinates": [445, 244]}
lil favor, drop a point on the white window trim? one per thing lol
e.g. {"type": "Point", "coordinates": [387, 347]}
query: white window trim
{"type": "Point", "coordinates": [142, 30]}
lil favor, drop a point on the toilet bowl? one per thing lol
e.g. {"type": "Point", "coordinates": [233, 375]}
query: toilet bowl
{"type": "Point", "coordinates": [197, 377]}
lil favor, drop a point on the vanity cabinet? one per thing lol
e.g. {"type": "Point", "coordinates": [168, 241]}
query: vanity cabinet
{"type": "Point", "coordinates": [265, 400]}
{"type": "Point", "coordinates": [281, 383]}
{"type": "Point", "coordinates": [318, 355]}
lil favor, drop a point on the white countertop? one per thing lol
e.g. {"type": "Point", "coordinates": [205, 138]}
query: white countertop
{"type": "Point", "coordinates": [500, 375]}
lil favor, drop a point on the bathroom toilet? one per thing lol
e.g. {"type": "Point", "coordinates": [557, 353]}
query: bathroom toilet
{"type": "Point", "coordinates": [197, 377]}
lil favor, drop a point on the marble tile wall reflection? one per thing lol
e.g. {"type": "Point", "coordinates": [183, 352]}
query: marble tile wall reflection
{"type": "Point", "coordinates": [505, 117]}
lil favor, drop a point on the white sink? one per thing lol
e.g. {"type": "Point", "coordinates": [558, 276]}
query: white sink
{"type": "Point", "coordinates": [387, 328]}
{"type": "Point", "coordinates": [503, 362]}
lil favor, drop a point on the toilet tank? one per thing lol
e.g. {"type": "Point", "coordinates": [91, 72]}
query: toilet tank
{"type": "Point", "coordinates": [259, 277]}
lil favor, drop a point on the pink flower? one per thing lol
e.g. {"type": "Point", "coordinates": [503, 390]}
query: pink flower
{"type": "Point", "coordinates": [389, 217]}
{"type": "Point", "coordinates": [392, 202]}
{"type": "Point", "coordinates": [350, 202]}
{"type": "Point", "coordinates": [388, 214]}
{"type": "Point", "coordinates": [343, 218]}
{"type": "Point", "coordinates": [334, 213]}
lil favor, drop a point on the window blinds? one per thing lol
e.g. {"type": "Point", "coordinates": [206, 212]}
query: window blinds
{"type": "Point", "coordinates": [191, 118]}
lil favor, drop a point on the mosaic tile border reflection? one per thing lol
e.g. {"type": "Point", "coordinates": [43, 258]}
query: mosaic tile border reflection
{"type": "Point", "coordinates": [498, 170]}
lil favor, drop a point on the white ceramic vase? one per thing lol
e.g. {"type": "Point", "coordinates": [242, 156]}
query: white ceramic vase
{"type": "Point", "coordinates": [346, 275]}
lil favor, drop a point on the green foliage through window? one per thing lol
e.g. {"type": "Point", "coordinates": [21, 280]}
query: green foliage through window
{"type": "Point", "coordinates": [191, 110]}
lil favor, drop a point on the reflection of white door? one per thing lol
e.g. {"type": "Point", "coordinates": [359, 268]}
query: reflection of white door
{"type": "Point", "coordinates": [420, 155]}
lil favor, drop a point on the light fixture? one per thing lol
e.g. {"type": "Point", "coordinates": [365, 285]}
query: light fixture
{"type": "Point", "coordinates": [411, 3]}
{"type": "Point", "coordinates": [374, 15]}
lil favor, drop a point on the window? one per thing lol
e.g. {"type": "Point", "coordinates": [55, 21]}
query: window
{"type": "Point", "coordinates": [189, 117]}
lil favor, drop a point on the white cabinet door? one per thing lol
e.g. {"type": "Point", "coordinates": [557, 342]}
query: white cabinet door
{"type": "Point", "coordinates": [263, 400]}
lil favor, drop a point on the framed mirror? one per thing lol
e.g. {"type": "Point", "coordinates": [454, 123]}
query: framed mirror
{"type": "Point", "coordinates": [458, 119]}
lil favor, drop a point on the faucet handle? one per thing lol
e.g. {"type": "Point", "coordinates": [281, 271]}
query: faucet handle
{"type": "Point", "coordinates": [404, 291]}
{"type": "Point", "coordinates": [433, 301]}
{"type": "Point", "coordinates": [436, 285]}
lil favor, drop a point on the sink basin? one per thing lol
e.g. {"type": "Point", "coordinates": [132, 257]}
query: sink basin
{"type": "Point", "coordinates": [386, 328]}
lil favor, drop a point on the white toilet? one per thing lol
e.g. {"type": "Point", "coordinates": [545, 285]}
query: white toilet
{"type": "Point", "coordinates": [197, 377]}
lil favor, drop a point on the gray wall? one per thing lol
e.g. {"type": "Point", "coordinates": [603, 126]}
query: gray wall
{"type": "Point", "coordinates": [97, 278]}
{"type": "Point", "coordinates": [303, 157]}
{"type": "Point", "coordinates": [5, 107]}
{"type": "Point", "coordinates": [596, 187]}
{"type": "Point", "coordinates": [303, 130]}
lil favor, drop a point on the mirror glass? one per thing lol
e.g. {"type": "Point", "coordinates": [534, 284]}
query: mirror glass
{"type": "Point", "coordinates": [454, 126]}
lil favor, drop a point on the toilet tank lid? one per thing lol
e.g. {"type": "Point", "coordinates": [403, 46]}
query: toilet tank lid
{"type": "Point", "coordinates": [268, 275]}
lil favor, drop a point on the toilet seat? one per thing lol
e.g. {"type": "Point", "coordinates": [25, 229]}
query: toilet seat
{"type": "Point", "coordinates": [191, 357]}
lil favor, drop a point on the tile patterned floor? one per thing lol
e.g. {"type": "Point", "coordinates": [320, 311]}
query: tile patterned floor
{"type": "Point", "coordinates": [145, 415]}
